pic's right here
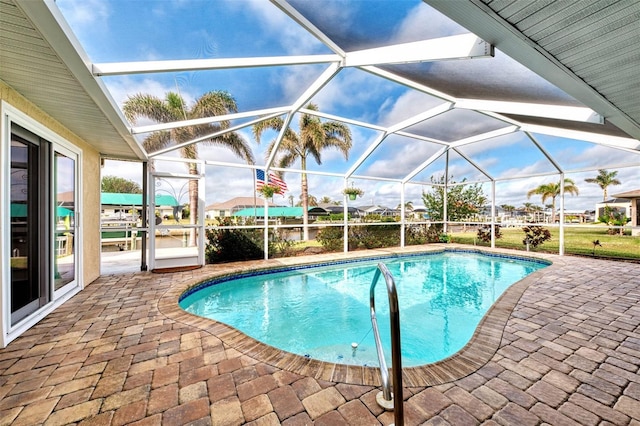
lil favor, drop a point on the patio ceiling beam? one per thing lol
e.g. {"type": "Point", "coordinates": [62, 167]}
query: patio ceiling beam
{"type": "Point", "coordinates": [311, 91]}
{"type": "Point", "coordinates": [307, 25]}
{"type": "Point", "coordinates": [544, 152]}
{"type": "Point", "coordinates": [422, 138]}
{"type": "Point", "coordinates": [527, 176]}
{"type": "Point", "coordinates": [309, 172]}
{"type": "Point", "coordinates": [277, 169]}
{"type": "Point", "coordinates": [606, 140]}
{"type": "Point", "coordinates": [211, 135]}
{"type": "Point", "coordinates": [372, 147]}
{"type": "Point", "coordinates": [408, 83]}
{"type": "Point", "coordinates": [208, 120]}
{"type": "Point", "coordinates": [473, 163]}
{"type": "Point", "coordinates": [484, 136]}
{"type": "Point", "coordinates": [424, 164]}
{"type": "Point", "coordinates": [463, 46]}
{"type": "Point", "coordinates": [430, 113]}
{"type": "Point", "coordinates": [342, 119]}
{"type": "Point", "coordinates": [147, 67]}
{"type": "Point", "coordinates": [399, 126]}
{"type": "Point", "coordinates": [559, 112]}
{"type": "Point", "coordinates": [377, 178]}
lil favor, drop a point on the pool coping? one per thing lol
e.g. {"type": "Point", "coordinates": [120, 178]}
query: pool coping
{"type": "Point", "coordinates": [478, 351]}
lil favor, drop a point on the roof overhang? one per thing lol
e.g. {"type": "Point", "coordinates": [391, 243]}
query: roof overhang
{"type": "Point", "coordinates": [43, 61]}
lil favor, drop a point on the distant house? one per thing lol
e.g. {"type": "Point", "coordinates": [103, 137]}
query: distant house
{"type": "Point", "coordinates": [117, 206]}
{"type": "Point", "coordinates": [619, 204]}
{"type": "Point", "coordinates": [418, 213]}
{"type": "Point", "coordinates": [633, 211]}
{"type": "Point", "coordinates": [232, 206]}
{"type": "Point", "coordinates": [282, 212]}
{"type": "Point", "coordinates": [336, 209]}
{"type": "Point", "coordinates": [381, 210]}
{"type": "Point", "coordinates": [579, 216]}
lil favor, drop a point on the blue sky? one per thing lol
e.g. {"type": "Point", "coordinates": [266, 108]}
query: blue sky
{"type": "Point", "coordinates": [120, 30]}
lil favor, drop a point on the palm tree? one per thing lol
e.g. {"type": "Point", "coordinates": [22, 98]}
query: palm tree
{"type": "Point", "coordinates": [508, 208]}
{"type": "Point", "coordinates": [312, 201]}
{"type": "Point", "coordinates": [552, 190]}
{"type": "Point", "coordinates": [604, 180]}
{"type": "Point", "coordinates": [408, 206]}
{"type": "Point", "coordinates": [173, 108]}
{"type": "Point", "coordinates": [314, 136]}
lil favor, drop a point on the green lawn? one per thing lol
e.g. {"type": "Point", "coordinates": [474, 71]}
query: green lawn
{"type": "Point", "coordinates": [577, 240]}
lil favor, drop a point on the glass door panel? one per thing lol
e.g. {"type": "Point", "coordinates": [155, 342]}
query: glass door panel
{"type": "Point", "coordinates": [65, 210]}
{"type": "Point", "coordinates": [177, 232]}
{"type": "Point", "coordinates": [25, 241]}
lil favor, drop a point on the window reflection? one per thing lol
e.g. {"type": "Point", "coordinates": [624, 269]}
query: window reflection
{"type": "Point", "coordinates": [65, 191]}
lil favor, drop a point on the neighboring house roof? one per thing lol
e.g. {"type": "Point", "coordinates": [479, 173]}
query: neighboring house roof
{"type": "Point", "coordinates": [117, 199]}
{"type": "Point", "coordinates": [629, 194]}
{"type": "Point", "coordinates": [371, 209]}
{"type": "Point", "coordinates": [280, 212]}
{"type": "Point", "coordinates": [338, 209]}
{"type": "Point", "coordinates": [615, 201]}
{"type": "Point", "coordinates": [20, 210]}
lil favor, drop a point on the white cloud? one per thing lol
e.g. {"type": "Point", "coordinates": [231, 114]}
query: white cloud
{"type": "Point", "coordinates": [423, 22]}
{"type": "Point", "coordinates": [85, 14]}
{"type": "Point", "coordinates": [409, 104]}
{"type": "Point", "coordinates": [129, 170]}
{"type": "Point", "coordinates": [276, 24]}
{"type": "Point", "coordinates": [600, 156]}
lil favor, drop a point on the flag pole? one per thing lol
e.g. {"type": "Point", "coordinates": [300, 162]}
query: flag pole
{"type": "Point", "coordinates": [255, 189]}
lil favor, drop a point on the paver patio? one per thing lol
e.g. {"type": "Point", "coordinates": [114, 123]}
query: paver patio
{"type": "Point", "coordinates": [119, 353]}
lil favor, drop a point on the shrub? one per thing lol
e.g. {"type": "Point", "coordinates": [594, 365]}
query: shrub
{"type": "Point", "coordinates": [535, 235]}
{"type": "Point", "coordinates": [484, 233]}
{"type": "Point", "coordinates": [226, 245]}
{"type": "Point", "coordinates": [418, 234]}
{"type": "Point", "coordinates": [614, 217]}
{"type": "Point", "coordinates": [279, 245]}
{"type": "Point", "coordinates": [371, 217]}
{"type": "Point", "coordinates": [374, 236]}
{"type": "Point", "coordinates": [367, 236]}
{"type": "Point", "coordinates": [331, 238]}
{"type": "Point", "coordinates": [334, 217]}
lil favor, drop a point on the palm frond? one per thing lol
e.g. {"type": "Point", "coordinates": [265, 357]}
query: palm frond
{"type": "Point", "coordinates": [274, 124]}
{"type": "Point", "coordinates": [215, 103]}
{"type": "Point", "coordinates": [156, 141]}
{"type": "Point", "coordinates": [148, 106]}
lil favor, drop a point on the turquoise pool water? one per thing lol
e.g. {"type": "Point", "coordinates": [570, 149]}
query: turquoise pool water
{"type": "Point", "coordinates": [320, 311]}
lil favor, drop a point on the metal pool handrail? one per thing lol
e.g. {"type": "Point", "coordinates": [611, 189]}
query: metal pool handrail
{"type": "Point", "coordinates": [396, 360]}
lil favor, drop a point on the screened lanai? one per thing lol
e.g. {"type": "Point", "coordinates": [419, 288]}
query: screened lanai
{"type": "Point", "coordinates": [505, 95]}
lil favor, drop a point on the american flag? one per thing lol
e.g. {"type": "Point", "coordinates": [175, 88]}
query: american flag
{"type": "Point", "coordinates": [273, 180]}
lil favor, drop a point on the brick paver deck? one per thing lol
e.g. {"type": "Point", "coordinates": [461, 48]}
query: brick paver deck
{"type": "Point", "coordinates": [567, 352]}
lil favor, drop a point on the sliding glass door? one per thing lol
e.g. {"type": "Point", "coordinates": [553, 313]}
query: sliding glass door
{"type": "Point", "coordinates": [65, 262]}
{"type": "Point", "coordinates": [29, 269]}
{"type": "Point", "coordinates": [43, 224]}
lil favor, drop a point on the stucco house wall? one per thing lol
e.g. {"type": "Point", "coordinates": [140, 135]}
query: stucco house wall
{"type": "Point", "coordinates": [90, 177]}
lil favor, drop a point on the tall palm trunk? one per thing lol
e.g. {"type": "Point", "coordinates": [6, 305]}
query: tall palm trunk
{"type": "Point", "coordinates": [304, 187]}
{"type": "Point", "coordinates": [193, 203]}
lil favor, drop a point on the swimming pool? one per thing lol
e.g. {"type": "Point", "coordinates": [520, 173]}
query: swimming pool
{"type": "Point", "coordinates": [319, 311]}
